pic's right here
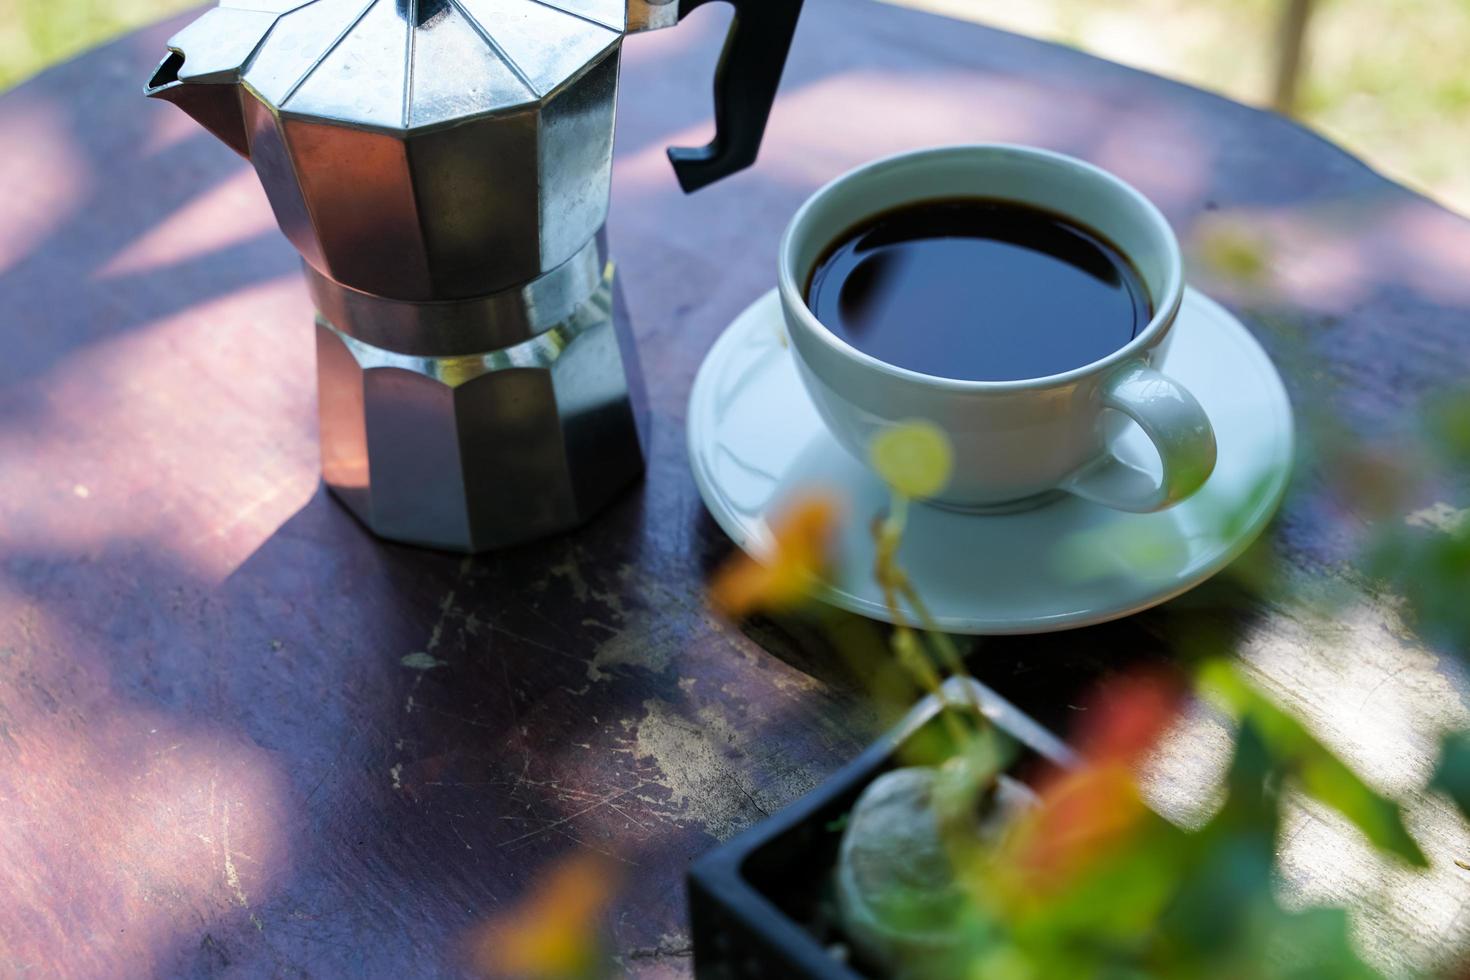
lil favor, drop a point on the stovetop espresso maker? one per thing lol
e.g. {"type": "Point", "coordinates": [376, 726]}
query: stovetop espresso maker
{"type": "Point", "coordinates": [443, 167]}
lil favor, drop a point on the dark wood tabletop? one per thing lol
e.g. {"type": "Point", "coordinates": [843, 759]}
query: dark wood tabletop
{"type": "Point", "coordinates": [238, 734]}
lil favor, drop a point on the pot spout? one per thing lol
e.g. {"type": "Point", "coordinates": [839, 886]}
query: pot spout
{"type": "Point", "coordinates": [201, 73]}
{"type": "Point", "coordinates": [213, 105]}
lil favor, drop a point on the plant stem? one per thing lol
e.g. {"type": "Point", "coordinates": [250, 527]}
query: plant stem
{"type": "Point", "coordinates": [949, 655]}
{"type": "Point", "coordinates": [912, 656]}
{"type": "Point", "coordinates": [888, 533]}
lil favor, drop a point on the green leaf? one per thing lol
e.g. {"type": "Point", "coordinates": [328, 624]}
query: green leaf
{"type": "Point", "coordinates": [1225, 920]}
{"type": "Point", "coordinates": [1452, 774]}
{"type": "Point", "coordinates": [1231, 858]}
{"type": "Point", "coordinates": [1276, 944]}
{"type": "Point", "coordinates": [1311, 944]}
{"type": "Point", "coordinates": [1431, 569]}
{"type": "Point", "coordinates": [913, 457]}
{"type": "Point", "coordinates": [1327, 779]}
{"type": "Point", "coordinates": [1448, 428]}
{"type": "Point", "coordinates": [1118, 900]}
{"type": "Point", "coordinates": [1322, 775]}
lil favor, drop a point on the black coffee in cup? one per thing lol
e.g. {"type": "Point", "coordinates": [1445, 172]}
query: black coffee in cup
{"type": "Point", "coordinates": [978, 290]}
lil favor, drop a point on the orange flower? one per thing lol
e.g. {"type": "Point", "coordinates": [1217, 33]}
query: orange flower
{"type": "Point", "coordinates": [1083, 815]}
{"type": "Point", "coordinates": [553, 931]}
{"type": "Point", "coordinates": [1125, 718]}
{"type": "Point", "coordinates": [784, 578]}
{"type": "Point", "coordinates": [1086, 812]}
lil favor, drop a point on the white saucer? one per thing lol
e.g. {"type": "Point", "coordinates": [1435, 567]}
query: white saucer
{"type": "Point", "coordinates": [755, 440]}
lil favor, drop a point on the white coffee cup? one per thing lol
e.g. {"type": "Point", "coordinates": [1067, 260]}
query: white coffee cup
{"type": "Point", "coordinates": [1016, 443]}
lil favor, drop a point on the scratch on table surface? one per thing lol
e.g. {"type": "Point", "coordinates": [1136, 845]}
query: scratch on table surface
{"type": "Point", "coordinates": [521, 776]}
{"type": "Point", "coordinates": [510, 694]}
{"type": "Point", "coordinates": [1388, 678]}
{"type": "Point", "coordinates": [455, 828]}
{"type": "Point", "coordinates": [235, 519]}
{"type": "Point", "coordinates": [232, 876]}
{"type": "Point", "coordinates": [627, 816]}
{"type": "Point", "coordinates": [422, 661]}
{"type": "Point", "coordinates": [603, 801]}
{"type": "Point", "coordinates": [558, 790]}
{"type": "Point", "coordinates": [528, 641]}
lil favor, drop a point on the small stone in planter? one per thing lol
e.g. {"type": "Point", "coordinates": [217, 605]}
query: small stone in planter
{"type": "Point", "coordinates": [897, 893]}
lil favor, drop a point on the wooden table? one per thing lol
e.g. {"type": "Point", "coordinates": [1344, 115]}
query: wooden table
{"type": "Point", "coordinates": [238, 732]}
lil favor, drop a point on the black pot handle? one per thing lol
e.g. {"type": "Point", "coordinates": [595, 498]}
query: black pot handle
{"type": "Point", "coordinates": [745, 88]}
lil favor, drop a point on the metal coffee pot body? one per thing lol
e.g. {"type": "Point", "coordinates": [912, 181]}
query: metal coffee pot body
{"type": "Point", "coordinates": [443, 166]}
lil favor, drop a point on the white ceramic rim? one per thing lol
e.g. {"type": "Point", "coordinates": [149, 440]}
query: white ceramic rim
{"type": "Point", "coordinates": [697, 437]}
{"type": "Point", "coordinates": [1166, 310]}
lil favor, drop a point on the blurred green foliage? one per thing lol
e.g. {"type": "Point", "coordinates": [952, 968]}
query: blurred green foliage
{"type": "Point", "coordinates": [1452, 774]}
{"type": "Point", "coordinates": [1322, 775]}
{"type": "Point", "coordinates": [1090, 881]}
{"type": "Point", "coordinates": [1385, 78]}
{"type": "Point", "coordinates": [1162, 901]}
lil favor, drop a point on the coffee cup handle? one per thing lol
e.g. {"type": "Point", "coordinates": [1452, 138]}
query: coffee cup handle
{"type": "Point", "coordinates": [1179, 429]}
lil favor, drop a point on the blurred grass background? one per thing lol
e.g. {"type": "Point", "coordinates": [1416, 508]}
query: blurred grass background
{"type": "Point", "coordinates": [1388, 79]}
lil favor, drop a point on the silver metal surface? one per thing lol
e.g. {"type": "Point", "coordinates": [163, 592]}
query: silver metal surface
{"type": "Point", "coordinates": [416, 149]}
{"type": "Point", "coordinates": [480, 451]}
{"type": "Point", "coordinates": [449, 213]}
{"type": "Point", "coordinates": [219, 42]}
{"type": "Point", "coordinates": [444, 168]}
{"type": "Point", "coordinates": [463, 326]}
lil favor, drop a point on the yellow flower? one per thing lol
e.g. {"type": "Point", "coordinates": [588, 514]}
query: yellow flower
{"type": "Point", "coordinates": [801, 535]}
{"type": "Point", "coordinates": [552, 933]}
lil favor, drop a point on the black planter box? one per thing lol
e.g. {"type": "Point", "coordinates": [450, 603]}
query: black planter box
{"type": "Point", "coordinates": [755, 901]}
